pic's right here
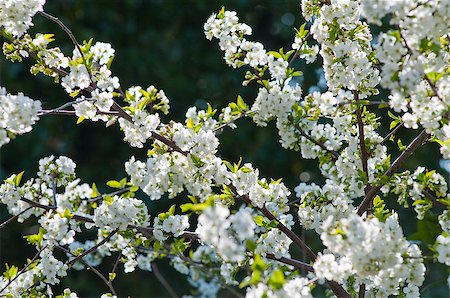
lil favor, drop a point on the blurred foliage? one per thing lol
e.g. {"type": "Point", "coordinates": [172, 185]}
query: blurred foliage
{"type": "Point", "coordinates": [160, 43]}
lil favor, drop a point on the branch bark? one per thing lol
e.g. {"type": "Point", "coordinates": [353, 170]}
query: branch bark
{"type": "Point", "coordinates": [416, 143]}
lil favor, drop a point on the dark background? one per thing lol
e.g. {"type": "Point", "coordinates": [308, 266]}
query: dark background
{"type": "Point", "coordinates": [159, 43]}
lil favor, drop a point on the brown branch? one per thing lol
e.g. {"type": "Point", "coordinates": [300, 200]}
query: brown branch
{"type": "Point", "coordinates": [163, 281]}
{"type": "Point", "coordinates": [288, 232]}
{"type": "Point", "coordinates": [416, 143]}
{"type": "Point", "coordinates": [304, 39]}
{"type": "Point", "coordinates": [23, 269]}
{"type": "Point", "coordinates": [362, 291]}
{"type": "Point", "coordinates": [86, 252]}
{"type": "Point", "coordinates": [362, 143]}
{"type": "Point", "coordinates": [433, 199]}
{"type": "Point", "coordinates": [91, 268]}
{"type": "Point", "coordinates": [337, 289]}
{"type": "Point", "coordinates": [3, 224]}
{"type": "Point", "coordinates": [390, 134]}
{"type": "Point", "coordinates": [72, 113]}
{"type": "Point", "coordinates": [335, 154]}
{"type": "Point", "coordinates": [293, 262]}
{"type": "Point", "coordinates": [71, 36]}
{"type": "Point", "coordinates": [116, 263]}
{"type": "Point", "coordinates": [148, 231]}
{"type": "Point", "coordinates": [65, 29]}
{"type": "Point", "coordinates": [168, 142]}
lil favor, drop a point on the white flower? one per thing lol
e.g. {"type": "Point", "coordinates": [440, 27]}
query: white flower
{"type": "Point", "coordinates": [102, 52]}
{"type": "Point", "coordinates": [78, 78]}
{"type": "Point", "coordinates": [15, 15]}
{"type": "Point", "coordinates": [116, 212]}
{"type": "Point", "coordinates": [17, 114]}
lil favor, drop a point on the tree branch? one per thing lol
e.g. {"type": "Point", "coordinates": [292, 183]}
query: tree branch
{"type": "Point", "coordinates": [335, 154]}
{"type": "Point", "coordinates": [416, 143]}
{"type": "Point", "coordinates": [86, 252]}
{"type": "Point", "coordinates": [23, 269]}
{"type": "Point", "coordinates": [293, 262]}
{"type": "Point", "coordinates": [163, 281]}
{"type": "Point", "coordinates": [3, 224]}
{"type": "Point", "coordinates": [390, 134]}
{"type": "Point", "coordinates": [362, 143]}
{"type": "Point", "coordinates": [91, 268]}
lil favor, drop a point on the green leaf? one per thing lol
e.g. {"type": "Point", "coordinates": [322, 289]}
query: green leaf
{"type": "Point", "coordinates": [221, 13]}
{"type": "Point", "coordinates": [393, 124]}
{"type": "Point", "coordinates": [394, 116]}
{"type": "Point", "coordinates": [10, 272]}
{"type": "Point", "coordinates": [245, 170]}
{"type": "Point", "coordinates": [18, 178]}
{"type": "Point", "coordinates": [113, 184]}
{"type": "Point", "coordinates": [302, 32]}
{"type": "Point", "coordinates": [250, 245]}
{"type": "Point", "coordinates": [277, 280]}
{"type": "Point", "coordinates": [67, 214]}
{"type": "Point", "coordinates": [197, 161]}
{"type": "Point", "coordinates": [165, 215]}
{"type": "Point", "coordinates": [193, 199]}
{"type": "Point", "coordinates": [241, 103]}
{"type": "Point", "coordinates": [108, 200]}
{"type": "Point", "coordinates": [396, 34]}
{"type": "Point", "coordinates": [275, 54]}
{"type": "Point", "coordinates": [80, 119]}
{"type": "Point", "coordinates": [434, 76]}
{"type": "Point", "coordinates": [179, 246]}
{"type": "Point", "coordinates": [95, 192]}
{"type": "Point", "coordinates": [260, 220]}
{"type": "Point", "coordinates": [112, 276]}
{"type": "Point", "coordinates": [400, 145]}
{"type": "Point", "coordinates": [36, 239]}
{"type": "Point", "coordinates": [123, 183]}
{"type": "Point", "coordinates": [229, 166]}
{"type": "Point", "coordinates": [190, 123]}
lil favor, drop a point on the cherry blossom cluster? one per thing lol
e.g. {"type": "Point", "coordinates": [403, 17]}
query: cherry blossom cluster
{"type": "Point", "coordinates": [17, 114]}
{"type": "Point", "coordinates": [413, 62]}
{"type": "Point", "coordinates": [345, 45]}
{"type": "Point", "coordinates": [422, 189]}
{"type": "Point", "coordinates": [241, 224]}
{"type": "Point", "coordinates": [16, 15]}
{"type": "Point", "coordinates": [375, 252]}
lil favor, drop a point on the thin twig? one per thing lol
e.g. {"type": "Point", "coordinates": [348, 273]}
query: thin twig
{"type": "Point", "coordinates": [73, 113]}
{"type": "Point", "coordinates": [320, 144]}
{"type": "Point", "coordinates": [71, 36]}
{"type": "Point", "coordinates": [163, 281]}
{"type": "Point", "coordinates": [99, 197]}
{"type": "Point", "coordinates": [23, 269]}
{"type": "Point", "coordinates": [91, 268]}
{"type": "Point", "coordinates": [302, 266]}
{"type": "Point", "coordinates": [3, 224]}
{"type": "Point", "coordinates": [362, 143]}
{"type": "Point", "coordinates": [299, 48]}
{"type": "Point", "coordinates": [416, 143]}
{"type": "Point", "coordinates": [433, 199]}
{"type": "Point", "coordinates": [86, 252]}
{"type": "Point", "coordinates": [116, 263]}
{"type": "Point", "coordinates": [67, 104]}
{"type": "Point", "coordinates": [231, 121]}
{"type": "Point", "coordinates": [64, 27]}
{"type": "Point", "coordinates": [390, 134]}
